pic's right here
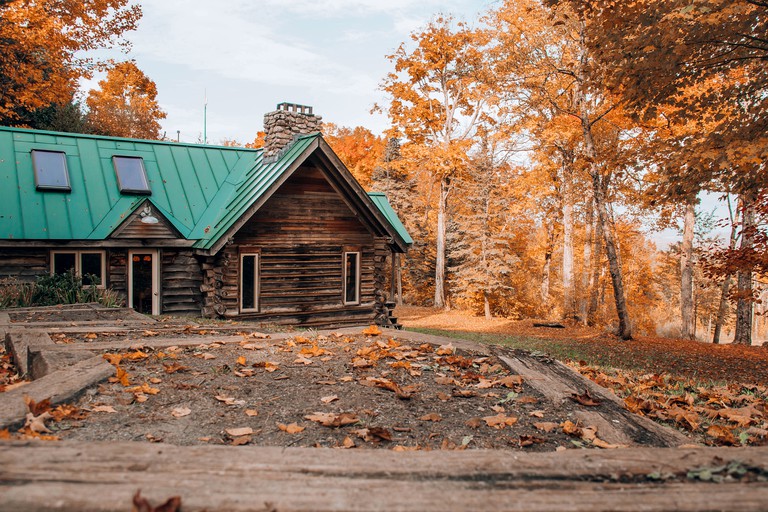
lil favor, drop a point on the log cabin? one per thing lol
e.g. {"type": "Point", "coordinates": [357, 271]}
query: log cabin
{"type": "Point", "coordinates": [282, 234]}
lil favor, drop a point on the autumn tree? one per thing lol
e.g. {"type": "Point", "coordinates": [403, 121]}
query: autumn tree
{"type": "Point", "coordinates": [439, 91]}
{"type": "Point", "coordinates": [546, 55]}
{"type": "Point", "coordinates": [126, 104]}
{"type": "Point", "coordinates": [42, 45]}
{"type": "Point", "coordinates": [358, 148]}
{"type": "Point", "coordinates": [698, 65]}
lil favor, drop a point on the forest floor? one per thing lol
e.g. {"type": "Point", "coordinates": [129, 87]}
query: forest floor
{"type": "Point", "coordinates": [716, 393]}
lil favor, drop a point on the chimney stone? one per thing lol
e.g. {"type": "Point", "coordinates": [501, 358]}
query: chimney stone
{"type": "Point", "coordinates": [284, 125]}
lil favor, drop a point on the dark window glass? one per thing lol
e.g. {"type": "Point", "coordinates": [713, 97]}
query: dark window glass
{"type": "Point", "coordinates": [131, 175]}
{"type": "Point", "coordinates": [63, 262]}
{"type": "Point", "coordinates": [90, 264]}
{"type": "Point", "coordinates": [50, 170]}
{"type": "Point", "coordinates": [248, 281]}
{"type": "Point", "coordinates": [351, 277]}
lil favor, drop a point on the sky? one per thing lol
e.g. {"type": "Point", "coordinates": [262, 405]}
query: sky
{"type": "Point", "coordinates": [247, 56]}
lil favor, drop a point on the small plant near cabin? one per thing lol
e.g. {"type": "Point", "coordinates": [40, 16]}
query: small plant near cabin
{"type": "Point", "coordinates": [53, 289]}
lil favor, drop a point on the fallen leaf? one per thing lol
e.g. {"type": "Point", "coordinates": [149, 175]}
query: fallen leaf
{"type": "Point", "coordinates": [500, 421]}
{"type": "Point", "coordinates": [241, 361]}
{"type": "Point", "coordinates": [722, 435]}
{"type": "Point", "coordinates": [155, 380]}
{"type": "Point", "coordinates": [267, 365]}
{"type": "Point", "coordinates": [229, 400]}
{"type": "Point", "coordinates": [291, 428]}
{"type": "Point", "coordinates": [528, 440]}
{"type": "Point", "coordinates": [137, 355]}
{"type": "Point", "coordinates": [329, 399]}
{"type": "Point", "coordinates": [144, 388]}
{"type": "Point", "coordinates": [141, 504]}
{"type": "Point", "coordinates": [113, 359]}
{"type": "Point", "coordinates": [91, 336]}
{"type": "Point", "coordinates": [372, 330]}
{"type": "Point", "coordinates": [104, 408]}
{"type": "Point", "coordinates": [546, 426]}
{"type": "Point", "coordinates": [180, 412]}
{"type": "Point", "coordinates": [37, 424]}
{"type": "Point", "coordinates": [174, 368]}
{"type": "Point", "coordinates": [151, 333]}
{"type": "Point", "coordinates": [431, 417]}
{"type": "Point", "coordinates": [570, 428]}
{"type": "Point", "coordinates": [237, 432]}
{"type": "Point", "coordinates": [585, 399]}
{"type": "Point", "coordinates": [329, 419]}
{"type": "Point", "coordinates": [445, 350]}
{"type": "Point", "coordinates": [241, 440]}
{"type": "Point", "coordinates": [251, 412]}
{"type": "Point", "coordinates": [474, 422]}
{"type": "Point", "coordinates": [536, 414]}
{"type": "Point", "coordinates": [464, 393]}
{"type": "Point", "coordinates": [511, 381]}
{"type": "Point", "coordinates": [37, 408]}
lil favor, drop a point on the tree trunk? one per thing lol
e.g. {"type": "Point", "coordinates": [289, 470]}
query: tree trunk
{"type": "Point", "coordinates": [587, 272]}
{"type": "Point", "coordinates": [487, 306]}
{"type": "Point", "coordinates": [722, 309]}
{"type": "Point", "coordinates": [594, 279]}
{"type": "Point", "coordinates": [611, 252]}
{"type": "Point", "coordinates": [743, 335]}
{"type": "Point", "coordinates": [441, 232]}
{"type": "Point", "coordinates": [547, 266]}
{"type": "Point", "coordinates": [569, 305]}
{"type": "Point", "coordinates": [686, 274]}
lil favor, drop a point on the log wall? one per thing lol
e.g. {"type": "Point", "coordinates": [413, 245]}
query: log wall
{"type": "Point", "coordinates": [23, 264]}
{"type": "Point", "coordinates": [300, 234]}
{"type": "Point", "coordinates": [181, 276]}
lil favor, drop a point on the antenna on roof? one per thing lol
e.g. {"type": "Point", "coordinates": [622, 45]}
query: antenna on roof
{"type": "Point", "coordinates": [205, 118]}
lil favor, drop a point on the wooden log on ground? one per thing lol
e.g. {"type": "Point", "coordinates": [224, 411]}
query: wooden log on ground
{"type": "Point", "coordinates": [68, 476]}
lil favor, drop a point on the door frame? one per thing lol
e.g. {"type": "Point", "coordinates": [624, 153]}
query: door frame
{"type": "Point", "coordinates": [155, 277]}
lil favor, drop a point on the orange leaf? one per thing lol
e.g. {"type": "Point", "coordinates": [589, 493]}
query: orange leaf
{"type": "Point", "coordinates": [372, 330]}
{"type": "Point", "coordinates": [241, 361]}
{"type": "Point", "coordinates": [291, 428]}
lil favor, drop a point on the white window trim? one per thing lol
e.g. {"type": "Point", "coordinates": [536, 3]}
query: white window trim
{"type": "Point", "coordinates": [79, 263]}
{"type": "Point", "coordinates": [155, 278]}
{"type": "Point", "coordinates": [256, 288]}
{"type": "Point", "coordinates": [344, 278]}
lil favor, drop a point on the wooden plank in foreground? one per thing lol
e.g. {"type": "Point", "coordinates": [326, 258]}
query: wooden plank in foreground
{"type": "Point", "coordinates": [71, 476]}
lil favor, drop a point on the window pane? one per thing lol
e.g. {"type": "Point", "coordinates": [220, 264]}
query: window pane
{"type": "Point", "coordinates": [248, 282]}
{"type": "Point", "coordinates": [350, 273]}
{"type": "Point", "coordinates": [90, 263]}
{"type": "Point", "coordinates": [50, 170]}
{"type": "Point", "coordinates": [63, 262]}
{"type": "Point", "coordinates": [131, 176]}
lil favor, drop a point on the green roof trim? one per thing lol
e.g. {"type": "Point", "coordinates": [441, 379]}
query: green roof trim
{"type": "Point", "coordinates": [206, 192]}
{"type": "Point", "coordinates": [382, 203]}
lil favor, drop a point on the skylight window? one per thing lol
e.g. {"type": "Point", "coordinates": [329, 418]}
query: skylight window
{"type": "Point", "coordinates": [131, 175]}
{"type": "Point", "coordinates": [50, 170]}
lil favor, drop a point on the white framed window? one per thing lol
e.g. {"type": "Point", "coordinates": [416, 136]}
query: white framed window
{"type": "Point", "coordinates": [249, 282]}
{"type": "Point", "coordinates": [131, 175]}
{"type": "Point", "coordinates": [51, 171]}
{"type": "Point", "coordinates": [351, 277]}
{"type": "Point", "coordinates": [85, 263]}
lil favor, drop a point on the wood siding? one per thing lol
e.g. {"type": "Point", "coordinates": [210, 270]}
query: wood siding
{"type": "Point", "coordinates": [301, 234]}
{"type": "Point", "coordinates": [23, 264]}
{"type": "Point", "coordinates": [181, 277]}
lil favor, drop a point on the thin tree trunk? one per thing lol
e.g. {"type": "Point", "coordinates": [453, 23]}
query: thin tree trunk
{"type": "Point", "coordinates": [441, 232]}
{"type": "Point", "coordinates": [743, 335]}
{"type": "Point", "coordinates": [569, 305]}
{"type": "Point", "coordinates": [686, 274]}
{"type": "Point", "coordinates": [587, 272]}
{"type": "Point", "coordinates": [399, 274]}
{"type": "Point", "coordinates": [722, 309]}
{"type": "Point", "coordinates": [611, 252]}
{"type": "Point", "coordinates": [594, 279]}
{"type": "Point", "coordinates": [547, 266]}
{"type": "Point", "coordinates": [486, 306]}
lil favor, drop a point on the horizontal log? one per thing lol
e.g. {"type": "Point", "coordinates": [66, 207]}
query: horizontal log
{"type": "Point", "coordinates": [71, 476]}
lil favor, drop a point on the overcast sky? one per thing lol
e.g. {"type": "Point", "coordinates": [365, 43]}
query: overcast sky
{"type": "Point", "coordinates": [251, 55]}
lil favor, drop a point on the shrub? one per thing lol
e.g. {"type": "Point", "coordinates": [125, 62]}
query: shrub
{"type": "Point", "coordinates": [53, 289]}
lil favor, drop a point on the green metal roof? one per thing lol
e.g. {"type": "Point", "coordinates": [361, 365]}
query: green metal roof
{"type": "Point", "coordinates": [204, 191]}
{"type": "Point", "coordinates": [382, 203]}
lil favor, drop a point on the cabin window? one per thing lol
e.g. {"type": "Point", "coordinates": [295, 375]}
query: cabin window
{"type": "Point", "coordinates": [50, 170]}
{"type": "Point", "coordinates": [249, 283]}
{"type": "Point", "coordinates": [351, 278]}
{"type": "Point", "coordinates": [88, 264]}
{"type": "Point", "coordinates": [131, 175]}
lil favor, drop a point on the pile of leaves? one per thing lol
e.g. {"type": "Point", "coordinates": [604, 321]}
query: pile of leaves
{"type": "Point", "coordinates": [719, 414]}
{"type": "Point", "coordinates": [9, 374]}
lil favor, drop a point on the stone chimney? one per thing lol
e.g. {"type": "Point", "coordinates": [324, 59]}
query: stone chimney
{"type": "Point", "coordinates": [284, 125]}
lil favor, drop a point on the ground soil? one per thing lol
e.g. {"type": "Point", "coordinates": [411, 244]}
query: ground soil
{"type": "Point", "coordinates": [394, 394]}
